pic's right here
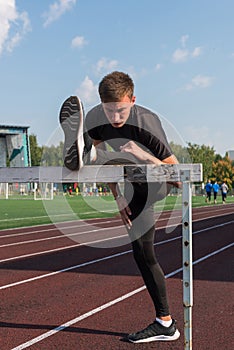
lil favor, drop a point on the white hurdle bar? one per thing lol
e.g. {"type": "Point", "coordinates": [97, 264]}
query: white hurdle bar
{"type": "Point", "coordinates": [184, 173]}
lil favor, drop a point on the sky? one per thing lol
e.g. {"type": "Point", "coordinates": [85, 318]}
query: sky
{"type": "Point", "coordinates": [179, 53]}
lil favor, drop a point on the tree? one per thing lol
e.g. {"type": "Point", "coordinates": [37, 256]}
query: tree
{"type": "Point", "coordinates": [223, 170]}
{"type": "Point", "coordinates": [180, 152]}
{"type": "Point", "coordinates": [202, 154]}
{"type": "Point", "coordinates": [53, 155]}
{"type": "Point", "coordinates": [35, 151]}
{"type": "Point", "coordinates": [217, 158]}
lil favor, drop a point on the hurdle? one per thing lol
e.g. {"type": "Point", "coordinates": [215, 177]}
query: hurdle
{"type": "Point", "coordinates": [184, 173]}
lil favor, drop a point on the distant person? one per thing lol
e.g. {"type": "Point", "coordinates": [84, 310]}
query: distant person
{"type": "Point", "coordinates": [100, 190]}
{"type": "Point", "coordinates": [224, 189]}
{"type": "Point", "coordinates": [208, 189]}
{"type": "Point", "coordinates": [70, 190]}
{"type": "Point", "coordinates": [215, 190]}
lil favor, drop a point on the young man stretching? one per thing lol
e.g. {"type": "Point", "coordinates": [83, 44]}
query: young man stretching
{"type": "Point", "coordinates": [136, 136]}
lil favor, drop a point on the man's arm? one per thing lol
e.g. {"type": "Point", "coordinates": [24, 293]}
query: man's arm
{"type": "Point", "coordinates": [144, 156]}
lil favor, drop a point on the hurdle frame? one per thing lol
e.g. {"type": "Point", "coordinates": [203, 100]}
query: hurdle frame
{"type": "Point", "coordinates": [184, 173]}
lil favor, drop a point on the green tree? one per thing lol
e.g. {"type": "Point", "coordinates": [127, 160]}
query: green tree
{"type": "Point", "coordinates": [217, 158]}
{"type": "Point", "coordinates": [35, 150]}
{"type": "Point", "coordinates": [180, 152]}
{"type": "Point", "coordinates": [53, 155]}
{"type": "Point", "coordinates": [202, 154]}
{"type": "Point", "coordinates": [223, 170]}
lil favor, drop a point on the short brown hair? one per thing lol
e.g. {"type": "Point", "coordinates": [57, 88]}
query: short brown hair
{"type": "Point", "coordinates": [114, 86]}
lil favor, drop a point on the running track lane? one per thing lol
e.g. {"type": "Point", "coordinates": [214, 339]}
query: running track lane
{"type": "Point", "coordinates": [84, 295]}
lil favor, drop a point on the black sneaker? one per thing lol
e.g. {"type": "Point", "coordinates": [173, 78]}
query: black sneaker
{"type": "Point", "coordinates": [155, 332]}
{"type": "Point", "coordinates": [77, 143]}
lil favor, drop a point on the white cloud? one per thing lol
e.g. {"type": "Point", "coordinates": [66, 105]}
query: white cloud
{"type": "Point", "coordinates": [158, 67]}
{"type": "Point", "coordinates": [180, 55]}
{"type": "Point", "coordinates": [56, 10]}
{"type": "Point", "coordinates": [78, 41]}
{"type": "Point", "coordinates": [14, 25]}
{"type": "Point", "coordinates": [202, 81]}
{"type": "Point", "coordinates": [196, 52]}
{"type": "Point", "coordinates": [183, 54]}
{"type": "Point", "coordinates": [87, 91]}
{"type": "Point", "coordinates": [104, 65]}
{"type": "Point", "coordinates": [183, 40]}
{"type": "Point", "coordinates": [199, 81]}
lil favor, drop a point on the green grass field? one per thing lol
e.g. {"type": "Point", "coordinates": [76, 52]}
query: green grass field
{"type": "Point", "coordinates": [28, 212]}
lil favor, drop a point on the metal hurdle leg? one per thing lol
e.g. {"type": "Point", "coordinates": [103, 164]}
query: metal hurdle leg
{"type": "Point", "coordinates": [187, 257]}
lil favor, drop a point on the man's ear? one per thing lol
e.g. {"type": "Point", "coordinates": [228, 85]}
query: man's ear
{"type": "Point", "coordinates": [133, 99]}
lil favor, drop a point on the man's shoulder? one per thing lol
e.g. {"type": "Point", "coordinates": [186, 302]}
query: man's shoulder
{"type": "Point", "coordinates": [95, 110]}
{"type": "Point", "coordinates": [141, 110]}
{"type": "Point", "coordinates": [145, 118]}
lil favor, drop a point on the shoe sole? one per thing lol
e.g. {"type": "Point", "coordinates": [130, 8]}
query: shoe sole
{"type": "Point", "coordinates": [173, 337]}
{"type": "Point", "coordinates": [71, 120]}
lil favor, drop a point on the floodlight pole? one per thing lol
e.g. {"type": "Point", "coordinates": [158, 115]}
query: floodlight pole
{"type": "Point", "coordinates": [187, 257]}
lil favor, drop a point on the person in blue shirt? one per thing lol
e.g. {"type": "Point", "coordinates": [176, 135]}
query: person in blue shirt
{"type": "Point", "coordinates": [215, 190]}
{"type": "Point", "coordinates": [208, 189]}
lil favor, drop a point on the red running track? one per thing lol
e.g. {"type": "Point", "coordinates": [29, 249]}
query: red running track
{"type": "Point", "coordinates": [76, 286]}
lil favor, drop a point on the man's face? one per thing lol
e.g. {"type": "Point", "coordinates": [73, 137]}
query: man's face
{"type": "Point", "coordinates": [118, 112]}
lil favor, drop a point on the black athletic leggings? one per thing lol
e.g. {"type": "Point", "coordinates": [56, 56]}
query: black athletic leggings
{"type": "Point", "coordinates": [142, 235]}
{"type": "Point", "coordinates": [141, 198]}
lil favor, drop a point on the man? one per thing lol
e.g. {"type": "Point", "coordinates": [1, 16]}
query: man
{"type": "Point", "coordinates": [136, 136]}
{"type": "Point", "coordinates": [224, 189]}
{"type": "Point", "coordinates": [216, 190]}
{"type": "Point", "coordinates": [208, 189]}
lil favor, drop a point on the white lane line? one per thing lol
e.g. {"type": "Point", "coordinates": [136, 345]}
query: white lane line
{"type": "Point", "coordinates": [61, 248]}
{"type": "Point", "coordinates": [87, 243]}
{"type": "Point", "coordinates": [93, 224]}
{"type": "Point", "coordinates": [56, 228]}
{"type": "Point", "coordinates": [80, 233]}
{"type": "Point", "coordinates": [107, 305]}
{"type": "Point", "coordinates": [67, 226]}
{"type": "Point", "coordinates": [64, 236]}
{"type": "Point", "coordinates": [15, 229]}
{"type": "Point", "coordinates": [54, 215]}
{"type": "Point", "coordinates": [64, 270]}
{"type": "Point", "coordinates": [32, 217]}
{"type": "Point", "coordinates": [71, 234]}
{"type": "Point", "coordinates": [99, 260]}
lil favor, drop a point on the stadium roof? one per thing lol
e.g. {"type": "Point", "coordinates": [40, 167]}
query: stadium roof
{"type": "Point", "coordinates": [13, 127]}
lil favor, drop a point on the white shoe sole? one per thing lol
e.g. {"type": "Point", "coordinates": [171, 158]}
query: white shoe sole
{"type": "Point", "coordinates": [71, 120]}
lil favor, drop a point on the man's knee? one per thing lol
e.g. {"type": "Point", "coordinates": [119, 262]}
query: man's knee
{"type": "Point", "coordinates": [144, 253]}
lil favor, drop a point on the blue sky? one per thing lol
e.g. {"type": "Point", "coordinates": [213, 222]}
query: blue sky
{"type": "Point", "coordinates": [180, 54]}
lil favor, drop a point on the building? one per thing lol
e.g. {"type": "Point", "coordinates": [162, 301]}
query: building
{"type": "Point", "coordinates": [231, 154]}
{"type": "Point", "coordinates": [14, 146]}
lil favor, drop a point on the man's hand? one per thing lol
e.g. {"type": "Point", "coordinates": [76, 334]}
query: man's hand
{"type": "Point", "coordinates": [139, 153]}
{"type": "Point", "coordinates": [132, 147]}
{"type": "Point", "coordinates": [124, 211]}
